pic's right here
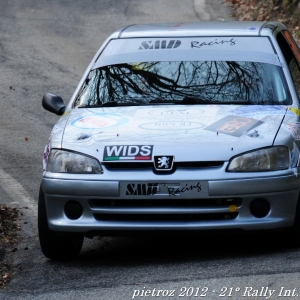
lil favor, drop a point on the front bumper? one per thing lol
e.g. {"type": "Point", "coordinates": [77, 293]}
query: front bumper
{"type": "Point", "coordinates": [136, 201]}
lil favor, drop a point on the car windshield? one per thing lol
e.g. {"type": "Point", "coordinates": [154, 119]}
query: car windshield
{"type": "Point", "coordinates": [184, 82]}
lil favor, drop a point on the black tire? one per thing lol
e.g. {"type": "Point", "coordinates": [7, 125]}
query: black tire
{"type": "Point", "coordinates": [56, 247]}
{"type": "Point", "coordinates": [292, 234]}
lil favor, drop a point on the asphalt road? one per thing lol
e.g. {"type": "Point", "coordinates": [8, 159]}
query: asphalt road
{"type": "Point", "coordinates": [45, 46]}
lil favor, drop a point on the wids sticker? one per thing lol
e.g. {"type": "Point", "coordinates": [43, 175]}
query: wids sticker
{"type": "Point", "coordinates": [128, 152]}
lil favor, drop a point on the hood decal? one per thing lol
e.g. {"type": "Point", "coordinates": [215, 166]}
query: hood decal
{"type": "Point", "coordinates": [175, 112]}
{"type": "Point", "coordinates": [258, 110]}
{"type": "Point", "coordinates": [293, 129]}
{"type": "Point", "coordinates": [234, 125]}
{"type": "Point", "coordinates": [172, 125]}
{"type": "Point", "coordinates": [99, 120]}
{"type": "Point", "coordinates": [295, 110]}
{"type": "Point", "coordinates": [183, 131]}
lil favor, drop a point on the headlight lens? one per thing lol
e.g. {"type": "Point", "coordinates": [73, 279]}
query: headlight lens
{"type": "Point", "coordinates": [61, 161]}
{"type": "Point", "coordinates": [268, 159]}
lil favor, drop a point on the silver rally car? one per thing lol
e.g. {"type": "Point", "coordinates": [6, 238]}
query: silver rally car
{"type": "Point", "coordinates": [176, 127]}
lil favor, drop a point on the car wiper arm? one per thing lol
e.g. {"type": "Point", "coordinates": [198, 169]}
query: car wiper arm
{"type": "Point", "coordinates": [186, 100]}
{"type": "Point", "coordinates": [111, 104]}
{"type": "Point", "coordinates": [90, 106]}
{"type": "Point", "coordinates": [160, 101]}
{"type": "Point", "coordinates": [192, 100]}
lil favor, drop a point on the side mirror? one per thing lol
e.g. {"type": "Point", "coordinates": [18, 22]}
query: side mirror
{"type": "Point", "coordinates": [54, 104]}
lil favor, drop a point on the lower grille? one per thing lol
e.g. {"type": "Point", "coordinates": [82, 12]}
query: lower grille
{"type": "Point", "coordinates": [165, 217]}
{"type": "Point", "coordinates": [164, 210]}
{"type": "Point", "coordinates": [174, 203]}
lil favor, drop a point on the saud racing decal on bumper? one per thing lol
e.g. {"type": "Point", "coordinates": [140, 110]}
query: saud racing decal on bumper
{"type": "Point", "coordinates": [193, 189]}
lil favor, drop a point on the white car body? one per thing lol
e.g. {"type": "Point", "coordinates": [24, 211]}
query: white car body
{"type": "Point", "coordinates": [168, 167]}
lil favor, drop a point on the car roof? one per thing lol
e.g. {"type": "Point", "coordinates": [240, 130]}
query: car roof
{"type": "Point", "coordinates": [205, 28]}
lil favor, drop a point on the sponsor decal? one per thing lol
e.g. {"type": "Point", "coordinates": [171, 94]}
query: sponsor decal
{"type": "Point", "coordinates": [99, 121]}
{"type": "Point", "coordinates": [128, 152]}
{"type": "Point", "coordinates": [255, 110]}
{"type": "Point", "coordinates": [163, 163]}
{"type": "Point", "coordinates": [172, 125]}
{"type": "Point", "coordinates": [293, 129]}
{"type": "Point", "coordinates": [160, 44]}
{"type": "Point", "coordinates": [295, 110]}
{"type": "Point", "coordinates": [196, 44]}
{"type": "Point", "coordinates": [142, 189]}
{"type": "Point", "coordinates": [175, 191]}
{"type": "Point", "coordinates": [190, 189]}
{"type": "Point", "coordinates": [234, 125]}
{"type": "Point", "coordinates": [176, 112]}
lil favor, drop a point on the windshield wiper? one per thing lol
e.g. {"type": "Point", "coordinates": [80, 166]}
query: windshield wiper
{"type": "Point", "coordinates": [185, 100]}
{"type": "Point", "coordinates": [163, 101]}
{"type": "Point", "coordinates": [192, 100]}
{"type": "Point", "coordinates": [112, 104]}
{"type": "Point", "coordinates": [90, 106]}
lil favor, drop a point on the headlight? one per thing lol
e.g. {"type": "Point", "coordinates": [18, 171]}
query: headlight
{"type": "Point", "coordinates": [61, 161]}
{"type": "Point", "coordinates": [268, 159]}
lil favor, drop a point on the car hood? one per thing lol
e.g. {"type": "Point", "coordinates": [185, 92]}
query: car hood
{"type": "Point", "coordinates": [188, 132]}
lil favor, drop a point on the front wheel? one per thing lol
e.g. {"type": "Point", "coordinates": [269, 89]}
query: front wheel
{"type": "Point", "coordinates": [292, 234]}
{"type": "Point", "coordinates": [55, 246]}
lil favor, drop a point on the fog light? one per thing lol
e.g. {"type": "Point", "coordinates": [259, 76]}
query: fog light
{"type": "Point", "coordinates": [73, 210]}
{"type": "Point", "coordinates": [259, 208]}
